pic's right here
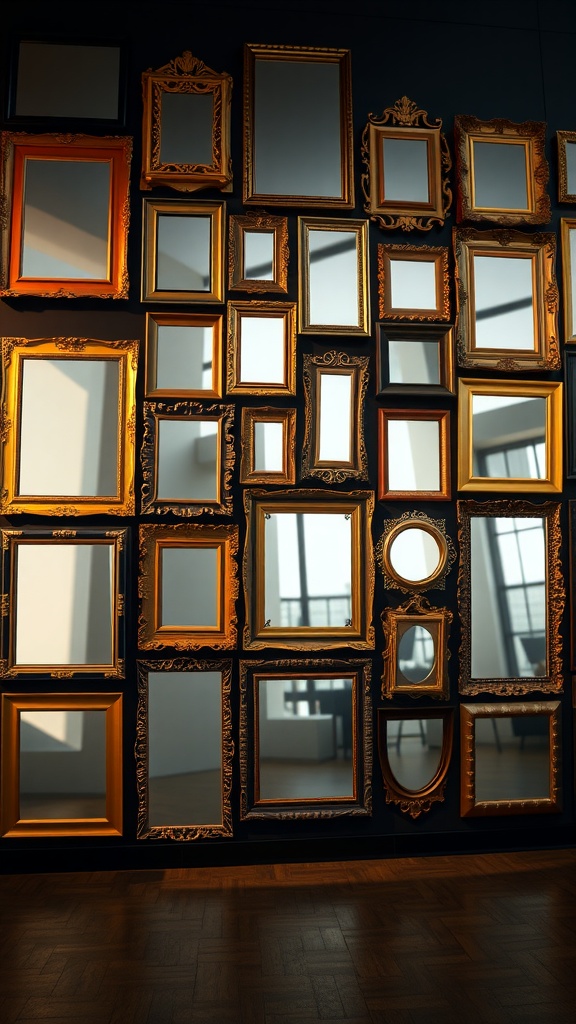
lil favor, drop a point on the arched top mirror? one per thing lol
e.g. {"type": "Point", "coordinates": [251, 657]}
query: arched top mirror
{"type": "Point", "coordinates": [415, 552]}
{"type": "Point", "coordinates": [416, 649]}
{"type": "Point", "coordinates": [415, 749]}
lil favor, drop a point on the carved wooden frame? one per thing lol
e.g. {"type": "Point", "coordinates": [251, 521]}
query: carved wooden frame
{"type": "Point", "coordinates": [267, 414]}
{"type": "Point", "coordinates": [438, 255]}
{"type": "Point", "coordinates": [415, 801]}
{"type": "Point", "coordinates": [436, 528]}
{"type": "Point", "coordinates": [416, 611]}
{"type": "Point", "coordinates": [341, 364]}
{"type": "Point", "coordinates": [263, 223]}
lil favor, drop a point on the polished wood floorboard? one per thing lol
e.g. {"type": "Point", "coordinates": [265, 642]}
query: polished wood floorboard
{"type": "Point", "coordinates": [469, 939]}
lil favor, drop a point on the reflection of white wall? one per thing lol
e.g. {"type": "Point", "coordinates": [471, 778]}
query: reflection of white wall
{"type": "Point", "coordinates": [262, 350]}
{"type": "Point", "coordinates": [335, 396]}
{"type": "Point", "coordinates": [499, 280]}
{"type": "Point", "coordinates": [183, 253]}
{"type": "Point", "coordinates": [57, 766]}
{"type": "Point", "coordinates": [184, 357]}
{"type": "Point", "coordinates": [487, 642]}
{"type": "Point", "coordinates": [187, 456]}
{"type": "Point", "coordinates": [413, 284]}
{"type": "Point", "coordinates": [268, 446]}
{"type": "Point", "coordinates": [184, 722]}
{"type": "Point", "coordinates": [189, 579]}
{"type": "Point", "coordinates": [413, 455]}
{"type": "Point", "coordinates": [413, 362]}
{"type": "Point", "coordinates": [285, 735]}
{"type": "Point", "coordinates": [333, 278]}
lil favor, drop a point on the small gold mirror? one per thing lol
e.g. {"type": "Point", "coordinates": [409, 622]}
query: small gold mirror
{"type": "Point", "coordinates": [413, 454]}
{"type": "Point", "coordinates": [333, 295]}
{"type": "Point", "coordinates": [335, 388]}
{"type": "Point", "coordinates": [415, 749]}
{"type": "Point", "coordinates": [268, 446]}
{"type": "Point", "coordinates": [183, 355]}
{"type": "Point", "coordinates": [261, 348]}
{"type": "Point", "coordinates": [413, 282]}
{"type": "Point", "coordinates": [566, 144]}
{"type": "Point", "coordinates": [415, 553]}
{"type": "Point", "coordinates": [416, 650]}
{"type": "Point", "coordinates": [182, 251]}
{"type": "Point", "coordinates": [258, 253]}
{"type": "Point", "coordinates": [568, 245]}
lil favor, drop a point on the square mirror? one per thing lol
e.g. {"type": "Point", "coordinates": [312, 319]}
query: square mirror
{"type": "Point", "coordinates": [335, 389]}
{"type": "Point", "coordinates": [414, 359]}
{"type": "Point", "coordinates": [268, 439]}
{"type": "Point", "coordinates": [413, 454]}
{"type": "Point", "coordinates": [258, 253]}
{"type": "Point", "coordinates": [333, 295]}
{"type": "Point", "coordinates": [416, 650]}
{"type": "Point", "coordinates": [566, 147]}
{"type": "Point", "coordinates": [413, 282]}
{"type": "Point", "coordinates": [183, 355]}
{"type": "Point", "coordinates": [182, 251]}
{"type": "Point", "coordinates": [261, 355]}
{"type": "Point", "coordinates": [415, 750]}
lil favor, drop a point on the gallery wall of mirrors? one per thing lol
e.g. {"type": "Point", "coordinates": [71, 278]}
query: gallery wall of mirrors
{"type": "Point", "coordinates": [287, 454]}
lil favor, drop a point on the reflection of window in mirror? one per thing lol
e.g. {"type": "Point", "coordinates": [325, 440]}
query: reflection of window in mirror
{"type": "Point", "coordinates": [413, 454]}
{"type": "Point", "coordinates": [504, 302]}
{"type": "Point", "coordinates": [68, 80]}
{"type": "Point", "coordinates": [183, 355]}
{"type": "Point", "coordinates": [413, 282]}
{"type": "Point", "coordinates": [414, 359]}
{"type": "Point", "coordinates": [415, 657]}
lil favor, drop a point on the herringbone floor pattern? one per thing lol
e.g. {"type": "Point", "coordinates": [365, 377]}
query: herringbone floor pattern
{"type": "Point", "coordinates": [485, 939]}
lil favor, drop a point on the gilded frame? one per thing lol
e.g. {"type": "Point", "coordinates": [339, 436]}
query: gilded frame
{"type": "Point", "coordinates": [117, 541]}
{"type": "Point", "coordinates": [255, 807]}
{"type": "Point", "coordinates": [260, 222]}
{"type": "Point", "coordinates": [572, 585]}
{"type": "Point", "coordinates": [563, 140]}
{"type": "Point", "coordinates": [17, 149]}
{"type": "Point", "coordinates": [439, 416]}
{"type": "Point", "coordinates": [340, 364]}
{"type": "Point", "coordinates": [258, 309]}
{"type": "Point", "coordinates": [184, 76]}
{"type": "Point", "coordinates": [359, 228]}
{"type": "Point", "coordinates": [175, 830]}
{"type": "Point", "coordinates": [15, 351]}
{"type": "Point", "coordinates": [154, 322]}
{"type": "Point", "coordinates": [568, 250]}
{"type": "Point", "coordinates": [415, 801]}
{"type": "Point", "coordinates": [154, 414]}
{"type": "Point", "coordinates": [540, 249]}
{"type": "Point", "coordinates": [11, 824]}
{"type": "Point", "coordinates": [551, 392]}
{"type": "Point", "coordinates": [309, 55]}
{"type": "Point", "coordinates": [404, 120]}
{"type": "Point", "coordinates": [531, 136]}
{"type": "Point", "coordinates": [152, 210]}
{"type": "Point", "coordinates": [470, 714]}
{"type": "Point", "coordinates": [436, 529]}
{"type": "Point", "coordinates": [416, 611]}
{"type": "Point", "coordinates": [249, 474]}
{"type": "Point", "coordinates": [441, 336]}
{"type": "Point", "coordinates": [357, 507]}
{"type": "Point", "coordinates": [438, 256]}
{"type": "Point", "coordinates": [154, 538]}
{"type": "Point", "coordinates": [553, 680]}
{"type": "Point", "coordinates": [570, 407]}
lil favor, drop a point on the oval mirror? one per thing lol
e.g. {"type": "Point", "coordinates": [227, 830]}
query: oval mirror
{"type": "Point", "coordinates": [416, 656]}
{"type": "Point", "coordinates": [415, 747]}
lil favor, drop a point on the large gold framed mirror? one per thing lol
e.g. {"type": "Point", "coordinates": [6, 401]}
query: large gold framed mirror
{"type": "Point", "coordinates": [184, 749]}
{"type": "Point", "coordinates": [566, 151]}
{"type": "Point", "coordinates": [333, 293]}
{"type": "Point", "coordinates": [298, 593]}
{"type": "Point", "coordinates": [415, 750]}
{"type": "Point", "coordinates": [511, 597]}
{"type": "Point", "coordinates": [510, 436]}
{"type": "Point", "coordinates": [268, 439]}
{"type": "Point", "coordinates": [261, 352]}
{"type": "Point", "coordinates": [183, 355]}
{"type": "Point", "coordinates": [68, 443]}
{"type": "Point", "coordinates": [416, 650]}
{"type": "Point", "coordinates": [507, 299]}
{"type": "Point", "coordinates": [174, 610]}
{"type": "Point", "coordinates": [305, 739]}
{"type": "Point", "coordinates": [298, 141]}
{"type": "Point", "coordinates": [413, 454]}
{"type": "Point", "coordinates": [66, 217]}
{"type": "Point", "coordinates": [182, 251]}
{"type": "Point", "coordinates": [407, 163]}
{"type": "Point", "coordinates": [335, 386]}
{"type": "Point", "coordinates": [415, 553]}
{"type": "Point", "coordinates": [414, 359]}
{"type": "Point", "coordinates": [63, 597]}
{"type": "Point", "coordinates": [413, 282]}
{"type": "Point", "coordinates": [186, 126]}
{"type": "Point", "coordinates": [187, 458]}
{"type": "Point", "coordinates": [568, 250]}
{"type": "Point", "coordinates": [510, 758]}
{"type": "Point", "coordinates": [61, 764]}
{"type": "Point", "coordinates": [502, 171]}
{"type": "Point", "coordinates": [258, 253]}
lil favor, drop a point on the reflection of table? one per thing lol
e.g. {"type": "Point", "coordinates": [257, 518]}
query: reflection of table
{"type": "Point", "coordinates": [330, 702]}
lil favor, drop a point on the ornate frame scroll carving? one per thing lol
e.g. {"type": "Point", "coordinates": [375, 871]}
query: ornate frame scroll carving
{"type": "Point", "coordinates": [438, 255]}
{"type": "Point", "coordinates": [237, 311]}
{"type": "Point", "coordinates": [355, 367]}
{"type": "Point", "coordinates": [155, 321]}
{"type": "Point", "coordinates": [265, 223]}
{"type": "Point", "coordinates": [415, 801]}
{"type": "Point", "coordinates": [437, 530]}
{"type": "Point", "coordinates": [248, 473]}
{"type": "Point", "coordinates": [439, 416]}
{"type": "Point", "coordinates": [416, 611]}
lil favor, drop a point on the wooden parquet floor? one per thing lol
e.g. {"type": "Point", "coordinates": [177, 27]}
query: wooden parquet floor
{"type": "Point", "coordinates": [469, 939]}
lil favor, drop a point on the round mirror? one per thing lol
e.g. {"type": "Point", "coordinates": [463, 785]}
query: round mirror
{"type": "Point", "coordinates": [416, 654]}
{"type": "Point", "coordinates": [415, 554]}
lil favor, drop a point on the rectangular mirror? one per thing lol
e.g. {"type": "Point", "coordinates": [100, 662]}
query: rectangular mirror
{"type": "Point", "coordinates": [305, 739]}
{"type": "Point", "coordinates": [61, 765]}
{"type": "Point", "coordinates": [298, 142]}
{"type": "Point", "coordinates": [570, 412]}
{"type": "Point", "coordinates": [335, 389]}
{"type": "Point", "coordinates": [507, 300]}
{"type": "Point", "coordinates": [268, 438]}
{"type": "Point", "coordinates": [68, 214]}
{"type": "Point", "coordinates": [184, 749]}
{"type": "Point", "coordinates": [187, 458]}
{"type": "Point", "coordinates": [68, 443]}
{"type": "Point", "coordinates": [182, 251]}
{"type": "Point", "coordinates": [502, 171]}
{"type": "Point", "coordinates": [413, 454]}
{"type": "Point", "coordinates": [333, 295]}
{"type": "Point", "coordinates": [261, 356]}
{"type": "Point", "coordinates": [510, 436]}
{"type": "Point", "coordinates": [415, 750]}
{"type": "Point", "coordinates": [416, 650]}
{"type": "Point", "coordinates": [174, 610]}
{"type": "Point", "coordinates": [64, 591]}
{"type": "Point", "coordinates": [511, 597]}
{"type": "Point", "coordinates": [186, 126]}
{"type": "Point", "coordinates": [566, 147]}
{"type": "Point", "coordinates": [183, 355]}
{"type": "Point", "coordinates": [413, 282]}
{"type": "Point", "coordinates": [414, 359]}
{"type": "Point", "coordinates": [258, 253]}
{"type": "Point", "coordinates": [298, 594]}
{"type": "Point", "coordinates": [568, 248]}
{"type": "Point", "coordinates": [510, 758]}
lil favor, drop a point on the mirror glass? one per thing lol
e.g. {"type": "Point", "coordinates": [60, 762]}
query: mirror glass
{"type": "Point", "coordinates": [258, 255]}
{"type": "Point", "coordinates": [499, 175]}
{"type": "Point", "coordinates": [405, 170]}
{"type": "Point", "coordinates": [333, 277]}
{"type": "Point", "coordinates": [184, 358]}
{"type": "Point", "coordinates": [186, 128]}
{"type": "Point", "coordinates": [335, 417]}
{"type": "Point", "coordinates": [183, 602]}
{"type": "Point", "coordinates": [504, 302]}
{"type": "Point", "coordinates": [415, 554]}
{"type": "Point", "coordinates": [508, 436]}
{"type": "Point", "coordinates": [572, 279]}
{"type": "Point", "coordinates": [414, 749]}
{"type": "Point", "coordinates": [413, 362]}
{"type": "Point", "coordinates": [413, 284]}
{"type": "Point", "coordinates": [416, 655]}
{"type": "Point", "coordinates": [413, 454]}
{"type": "Point", "coordinates": [62, 764]}
{"type": "Point", "coordinates": [183, 255]}
{"type": "Point", "coordinates": [67, 80]}
{"type": "Point", "coordinates": [570, 167]}
{"type": "Point", "coordinates": [512, 757]}
{"type": "Point", "coordinates": [269, 449]}
{"type": "Point", "coordinates": [184, 748]}
{"type": "Point", "coordinates": [188, 459]}
{"type": "Point", "coordinates": [262, 350]}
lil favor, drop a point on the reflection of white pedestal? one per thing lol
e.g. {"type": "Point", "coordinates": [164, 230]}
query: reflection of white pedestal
{"type": "Point", "coordinates": [309, 738]}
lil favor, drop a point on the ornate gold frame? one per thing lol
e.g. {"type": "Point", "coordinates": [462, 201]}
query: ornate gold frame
{"type": "Point", "coordinates": [263, 223]}
{"type": "Point", "coordinates": [436, 528]}
{"type": "Point", "coordinates": [469, 715]}
{"type": "Point", "coordinates": [237, 311]}
{"type": "Point", "coordinates": [567, 229]}
{"type": "Point", "coordinates": [252, 806]}
{"type": "Point", "coordinates": [11, 824]}
{"type": "Point", "coordinates": [416, 611]}
{"type": "Point", "coordinates": [564, 139]}
{"type": "Point", "coordinates": [186, 75]}
{"type": "Point", "coordinates": [157, 320]}
{"type": "Point", "coordinates": [405, 120]}
{"type": "Point", "coordinates": [152, 635]}
{"type": "Point", "coordinates": [14, 352]}
{"type": "Point", "coordinates": [358, 507]}
{"type": "Point", "coordinates": [182, 831]}
{"type": "Point", "coordinates": [151, 211]}
{"type": "Point", "coordinates": [360, 229]}
{"type": "Point", "coordinates": [439, 416]}
{"type": "Point", "coordinates": [223, 416]}
{"type": "Point", "coordinates": [553, 681]}
{"type": "Point", "coordinates": [248, 473]}
{"type": "Point", "coordinates": [442, 335]}
{"type": "Point", "coordinates": [438, 255]}
{"type": "Point", "coordinates": [551, 392]}
{"type": "Point", "coordinates": [540, 249]}
{"type": "Point", "coordinates": [415, 801]}
{"type": "Point", "coordinates": [355, 367]}
{"type": "Point", "coordinates": [531, 135]}
{"type": "Point", "coordinates": [17, 148]}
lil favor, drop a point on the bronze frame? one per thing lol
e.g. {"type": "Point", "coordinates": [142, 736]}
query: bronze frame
{"type": "Point", "coordinates": [256, 308]}
{"type": "Point", "coordinates": [444, 337]}
{"type": "Point", "coordinates": [250, 417]}
{"type": "Point", "coordinates": [438, 255]}
{"type": "Point", "coordinates": [264, 223]}
{"type": "Point", "coordinates": [415, 801]}
{"type": "Point", "coordinates": [341, 364]}
{"type": "Point", "coordinates": [439, 416]}
{"type": "Point", "coordinates": [416, 611]}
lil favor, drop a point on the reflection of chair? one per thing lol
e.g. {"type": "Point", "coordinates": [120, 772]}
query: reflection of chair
{"type": "Point", "coordinates": [410, 735]}
{"type": "Point", "coordinates": [339, 704]}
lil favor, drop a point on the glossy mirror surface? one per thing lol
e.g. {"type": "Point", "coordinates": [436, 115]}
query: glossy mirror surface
{"type": "Point", "coordinates": [500, 175]}
{"type": "Point", "coordinates": [405, 166]}
{"type": "Point", "coordinates": [571, 168]}
{"type": "Point", "coordinates": [413, 453]}
{"type": "Point", "coordinates": [333, 267]}
{"type": "Point", "coordinates": [261, 349]}
{"type": "Point", "coordinates": [186, 135]}
{"type": "Point", "coordinates": [504, 302]}
{"type": "Point", "coordinates": [183, 355]}
{"type": "Point", "coordinates": [335, 433]}
{"type": "Point", "coordinates": [183, 603]}
{"type": "Point", "coordinates": [259, 255]}
{"type": "Point", "coordinates": [67, 80]}
{"type": "Point", "coordinates": [568, 241]}
{"type": "Point", "coordinates": [415, 748]}
{"type": "Point", "coordinates": [268, 446]}
{"type": "Point", "coordinates": [413, 282]}
{"type": "Point", "coordinates": [182, 254]}
{"type": "Point", "coordinates": [188, 459]}
{"type": "Point", "coordinates": [415, 359]}
{"type": "Point", "coordinates": [416, 655]}
{"type": "Point", "coordinates": [413, 363]}
{"type": "Point", "coordinates": [415, 554]}
{"type": "Point", "coordinates": [566, 145]}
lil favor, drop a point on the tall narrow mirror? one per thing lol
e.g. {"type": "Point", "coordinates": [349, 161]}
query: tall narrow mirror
{"type": "Point", "coordinates": [335, 389]}
{"type": "Point", "coordinates": [566, 146]}
{"type": "Point", "coordinates": [415, 749]}
{"type": "Point", "coordinates": [182, 251]}
{"type": "Point", "coordinates": [333, 276]}
{"type": "Point", "coordinates": [568, 244]}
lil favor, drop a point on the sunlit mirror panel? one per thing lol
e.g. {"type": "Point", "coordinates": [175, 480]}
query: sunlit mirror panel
{"type": "Point", "coordinates": [268, 446]}
{"type": "Point", "coordinates": [510, 758]}
{"type": "Point", "coordinates": [415, 749]}
{"type": "Point", "coordinates": [413, 282]}
{"type": "Point", "coordinates": [414, 454]}
{"type": "Point", "coordinates": [568, 244]}
{"type": "Point", "coordinates": [61, 770]}
{"type": "Point", "coordinates": [261, 348]}
{"type": "Point", "coordinates": [68, 80]}
{"type": "Point", "coordinates": [183, 355]}
{"type": "Point", "coordinates": [414, 359]}
{"type": "Point", "coordinates": [415, 553]}
{"type": "Point", "coordinates": [333, 276]}
{"type": "Point", "coordinates": [258, 253]}
{"type": "Point", "coordinates": [182, 251]}
{"type": "Point", "coordinates": [415, 659]}
{"type": "Point", "coordinates": [566, 147]}
{"type": "Point", "coordinates": [334, 445]}
{"type": "Point", "coordinates": [298, 127]}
